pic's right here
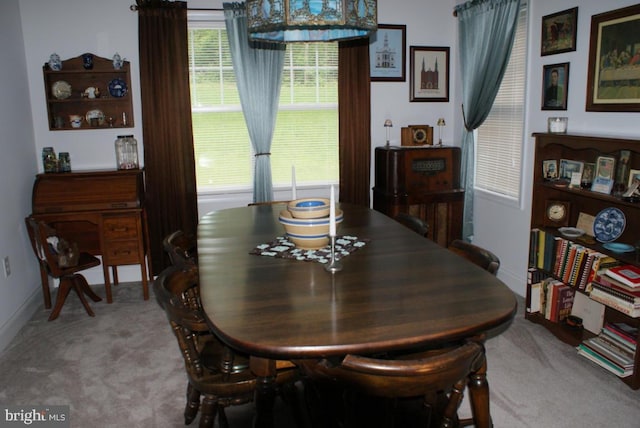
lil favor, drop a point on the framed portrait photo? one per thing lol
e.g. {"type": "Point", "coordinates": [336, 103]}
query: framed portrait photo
{"type": "Point", "coordinates": [613, 76]}
{"type": "Point", "coordinates": [604, 177]}
{"type": "Point", "coordinates": [387, 53]}
{"type": "Point", "coordinates": [634, 175]}
{"type": "Point", "coordinates": [429, 74]}
{"type": "Point", "coordinates": [555, 86]}
{"type": "Point", "coordinates": [550, 169]}
{"type": "Point", "coordinates": [559, 32]}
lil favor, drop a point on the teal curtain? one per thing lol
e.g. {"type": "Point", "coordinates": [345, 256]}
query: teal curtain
{"type": "Point", "coordinates": [258, 69]}
{"type": "Point", "coordinates": [486, 30]}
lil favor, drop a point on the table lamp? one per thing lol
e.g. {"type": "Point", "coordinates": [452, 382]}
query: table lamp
{"type": "Point", "coordinates": [440, 123]}
{"type": "Point", "coordinates": [388, 124]}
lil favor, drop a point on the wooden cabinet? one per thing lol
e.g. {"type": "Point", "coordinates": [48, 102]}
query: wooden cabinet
{"type": "Point", "coordinates": [424, 182]}
{"type": "Point", "coordinates": [583, 148]}
{"type": "Point", "coordinates": [101, 211]}
{"type": "Point", "coordinates": [100, 96]}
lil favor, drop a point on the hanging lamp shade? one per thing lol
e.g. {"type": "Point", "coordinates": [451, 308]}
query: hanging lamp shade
{"type": "Point", "coordinates": [287, 21]}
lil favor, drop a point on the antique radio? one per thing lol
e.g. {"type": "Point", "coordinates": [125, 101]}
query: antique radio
{"type": "Point", "coordinates": [423, 181]}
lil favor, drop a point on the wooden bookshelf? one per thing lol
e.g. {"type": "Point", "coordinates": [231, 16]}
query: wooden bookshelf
{"type": "Point", "coordinates": [585, 148]}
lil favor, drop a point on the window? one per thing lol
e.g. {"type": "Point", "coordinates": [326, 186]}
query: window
{"type": "Point", "coordinates": [500, 138]}
{"type": "Point", "coordinates": [306, 134]}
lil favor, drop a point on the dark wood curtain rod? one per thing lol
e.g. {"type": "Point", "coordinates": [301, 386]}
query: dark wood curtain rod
{"type": "Point", "coordinates": [134, 8]}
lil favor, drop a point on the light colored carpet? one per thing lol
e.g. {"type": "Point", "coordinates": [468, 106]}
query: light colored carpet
{"type": "Point", "coordinates": [123, 368]}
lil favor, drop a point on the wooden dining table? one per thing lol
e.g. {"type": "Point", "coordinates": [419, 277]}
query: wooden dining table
{"type": "Point", "coordinates": [399, 291]}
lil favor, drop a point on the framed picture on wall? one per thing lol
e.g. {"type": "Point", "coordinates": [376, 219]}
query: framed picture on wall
{"type": "Point", "coordinates": [613, 79]}
{"type": "Point", "coordinates": [559, 32]}
{"type": "Point", "coordinates": [429, 73]}
{"type": "Point", "coordinates": [555, 86]}
{"type": "Point", "coordinates": [387, 53]}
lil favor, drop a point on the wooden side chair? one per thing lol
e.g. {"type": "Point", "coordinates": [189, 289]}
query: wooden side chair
{"type": "Point", "coordinates": [69, 277]}
{"type": "Point", "coordinates": [438, 378]}
{"type": "Point", "coordinates": [477, 255]}
{"type": "Point", "coordinates": [214, 371]}
{"type": "Point", "coordinates": [182, 249]}
{"type": "Point", "coordinates": [414, 223]}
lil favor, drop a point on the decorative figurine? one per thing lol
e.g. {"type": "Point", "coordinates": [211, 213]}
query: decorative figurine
{"type": "Point", "coordinates": [117, 61]}
{"type": "Point", "coordinates": [54, 62]}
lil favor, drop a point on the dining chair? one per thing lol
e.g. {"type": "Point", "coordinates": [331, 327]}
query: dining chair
{"type": "Point", "coordinates": [215, 372]}
{"type": "Point", "coordinates": [42, 236]}
{"type": "Point", "coordinates": [182, 248]}
{"type": "Point", "coordinates": [476, 254]}
{"type": "Point", "coordinates": [438, 379]}
{"type": "Point", "coordinates": [414, 223]}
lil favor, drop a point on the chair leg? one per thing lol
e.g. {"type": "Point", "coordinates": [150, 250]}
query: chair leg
{"type": "Point", "coordinates": [77, 287]}
{"type": "Point", "coordinates": [63, 291]}
{"type": "Point", "coordinates": [44, 278]}
{"type": "Point", "coordinates": [86, 289]}
{"type": "Point", "coordinates": [450, 413]}
{"type": "Point", "coordinates": [479, 397]}
{"type": "Point", "coordinates": [208, 411]}
{"type": "Point", "coordinates": [193, 404]}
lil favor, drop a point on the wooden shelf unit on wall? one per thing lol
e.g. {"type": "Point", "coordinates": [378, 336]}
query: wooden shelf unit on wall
{"type": "Point", "coordinates": [585, 148]}
{"type": "Point", "coordinates": [118, 108]}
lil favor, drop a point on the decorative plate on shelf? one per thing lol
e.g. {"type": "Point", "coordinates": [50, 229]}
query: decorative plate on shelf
{"type": "Point", "coordinates": [609, 224]}
{"type": "Point", "coordinates": [61, 90]}
{"type": "Point", "coordinates": [617, 247]}
{"type": "Point", "coordinates": [95, 114]}
{"type": "Point", "coordinates": [117, 88]}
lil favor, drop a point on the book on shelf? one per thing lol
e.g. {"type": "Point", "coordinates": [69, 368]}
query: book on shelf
{"type": "Point", "coordinates": [612, 337]}
{"type": "Point", "coordinates": [616, 285]}
{"type": "Point", "coordinates": [617, 292]}
{"type": "Point", "coordinates": [617, 355]}
{"type": "Point", "coordinates": [566, 295]}
{"type": "Point", "coordinates": [534, 284]}
{"type": "Point", "coordinates": [603, 362]}
{"type": "Point", "coordinates": [533, 247]}
{"type": "Point", "coordinates": [626, 274]}
{"type": "Point", "coordinates": [621, 305]}
{"type": "Point", "coordinates": [623, 330]}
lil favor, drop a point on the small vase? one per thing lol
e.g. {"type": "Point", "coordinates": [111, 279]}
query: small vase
{"type": "Point", "coordinates": [54, 62]}
{"type": "Point", "coordinates": [117, 61]}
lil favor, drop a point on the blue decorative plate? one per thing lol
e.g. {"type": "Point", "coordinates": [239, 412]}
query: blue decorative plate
{"type": "Point", "coordinates": [617, 247]}
{"type": "Point", "coordinates": [117, 88]}
{"type": "Point", "coordinates": [609, 224]}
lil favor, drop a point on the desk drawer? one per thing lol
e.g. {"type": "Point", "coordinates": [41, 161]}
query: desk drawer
{"type": "Point", "coordinates": [122, 252]}
{"type": "Point", "coordinates": [121, 227]}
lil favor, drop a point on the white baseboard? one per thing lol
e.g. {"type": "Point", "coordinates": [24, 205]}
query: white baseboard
{"type": "Point", "coordinates": [24, 313]}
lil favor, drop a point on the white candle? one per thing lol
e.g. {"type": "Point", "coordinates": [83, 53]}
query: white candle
{"type": "Point", "coordinates": [293, 183]}
{"type": "Point", "coordinates": [332, 214]}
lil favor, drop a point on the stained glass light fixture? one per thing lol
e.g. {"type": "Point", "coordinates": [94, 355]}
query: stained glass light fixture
{"type": "Point", "coordinates": [287, 21]}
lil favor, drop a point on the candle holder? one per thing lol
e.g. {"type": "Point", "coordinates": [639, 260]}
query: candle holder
{"type": "Point", "coordinates": [334, 265]}
{"type": "Point", "coordinates": [440, 124]}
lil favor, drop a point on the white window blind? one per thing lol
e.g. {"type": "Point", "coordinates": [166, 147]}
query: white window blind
{"type": "Point", "coordinates": [500, 138]}
{"type": "Point", "coordinates": [306, 134]}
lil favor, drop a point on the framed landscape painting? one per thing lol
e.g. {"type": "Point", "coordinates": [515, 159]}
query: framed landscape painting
{"type": "Point", "coordinates": [613, 80]}
{"type": "Point", "coordinates": [387, 50]}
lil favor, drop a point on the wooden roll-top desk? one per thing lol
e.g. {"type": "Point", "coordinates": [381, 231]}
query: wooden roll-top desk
{"type": "Point", "coordinates": [422, 181]}
{"type": "Point", "coordinates": [102, 211]}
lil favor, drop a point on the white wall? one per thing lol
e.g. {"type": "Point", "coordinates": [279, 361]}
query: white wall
{"type": "Point", "coordinates": [503, 227]}
{"type": "Point", "coordinates": [17, 166]}
{"type": "Point", "coordinates": [71, 27]}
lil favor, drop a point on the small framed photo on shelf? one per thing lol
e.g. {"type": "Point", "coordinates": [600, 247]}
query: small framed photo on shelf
{"type": "Point", "coordinates": [569, 167]}
{"type": "Point", "coordinates": [634, 175]}
{"type": "Point", "coordinates": [550, 169]}
{"type": "Point", "coordinates": [387, 53]}
{"type": "Point", "coordinates": [559, 32]}
{"type": "Point", "coordinates": [555, 78]}
{"type": "Point", "coordinates": [588, 172]}
{"type": "Point", "coordinates": [429, 74]}
{"type": "Point", "coordinates": [603, 180]}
